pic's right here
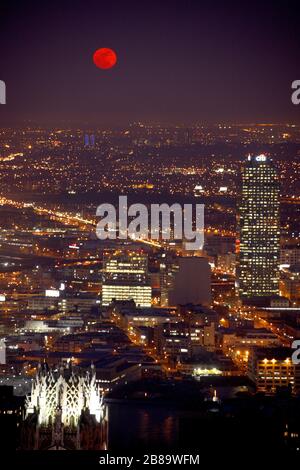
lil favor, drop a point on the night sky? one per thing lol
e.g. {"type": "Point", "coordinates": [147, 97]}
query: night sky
{"type": "Point", "coordinates": [178, 62]}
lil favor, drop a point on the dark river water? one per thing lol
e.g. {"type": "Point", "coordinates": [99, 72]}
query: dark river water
{"type": "Point", "coordinates": [133, 426]}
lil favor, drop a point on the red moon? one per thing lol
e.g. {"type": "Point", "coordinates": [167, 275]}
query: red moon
{"type": "Point", "coordinates": [105, 58]}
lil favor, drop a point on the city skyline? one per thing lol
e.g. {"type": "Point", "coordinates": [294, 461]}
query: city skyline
{"type": "Point", "coordinates": [150, 231]}
{"type": "Point", "coordinates": [160, 327]}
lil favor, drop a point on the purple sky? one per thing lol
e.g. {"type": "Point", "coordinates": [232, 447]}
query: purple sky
{"type": "Point", "coordinates": [178, 61]}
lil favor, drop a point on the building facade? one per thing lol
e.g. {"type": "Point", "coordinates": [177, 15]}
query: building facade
{"type": "Point", "coordinates": [272, 368]}
{"type": "Point", "coordinates": [125, 277]}
{"type": "Point", "coordinates": [259, 230]}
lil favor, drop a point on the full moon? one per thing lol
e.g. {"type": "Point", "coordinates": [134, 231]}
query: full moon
{"type": "Point", "coordinates": [105, 58]}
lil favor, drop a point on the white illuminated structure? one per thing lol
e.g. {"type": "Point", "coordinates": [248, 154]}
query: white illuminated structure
{"type": "Point", "coordinates": [58, 399]}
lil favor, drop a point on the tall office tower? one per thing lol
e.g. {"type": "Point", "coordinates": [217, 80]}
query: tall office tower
{"type": "Point", "coordinates": [125, 277]}
{"type": "Point", "coordinates": [259, 230]}
{"type": "Point", "coordinates": [86, 140]}
{"type": "Point", "coordinates": [92, 140]}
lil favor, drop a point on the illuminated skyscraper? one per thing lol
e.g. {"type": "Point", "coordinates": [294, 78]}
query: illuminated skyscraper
{"type": "Point", "coordinates": [259, 228]}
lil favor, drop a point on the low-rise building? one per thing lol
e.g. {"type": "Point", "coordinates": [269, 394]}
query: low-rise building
{"type": "Point", "coordinates": [272, 368]}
